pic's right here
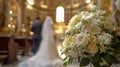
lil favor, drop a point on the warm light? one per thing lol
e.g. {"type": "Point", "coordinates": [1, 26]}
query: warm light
{"type": "Point", "coordinates": [31, 33]}
{"type": "Point", "coordinates": [59, 31]}
{"type": "Point", "coordinates": [44, 6]}
{"type": "Point", "coordinates": [89, 6]}
{"type": "Point", "coordinates": [9, 25]}
{"type": "Point", "coordinates": [31, 22]}
{"type": "Point", "coordinates": [76, 5]}
{"type": "Point", "coordinates": [88, 1]}
{"type": "Point", "coordinates": [30, 2]}
{"type": "Point", "coordinates": [13, 26]}
{"type": "Point", "coordinates": [60, 14]}
{"type": "Point", "coordinates": [29, 7]}
{"type": "Point", "coordinates": [11, 18]}
{"type": "Point", "coordinates": [23, 30]}
{"type": "Point", "coordinates": [10, 12]}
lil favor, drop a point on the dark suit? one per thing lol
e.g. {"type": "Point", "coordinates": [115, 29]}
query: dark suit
{"type": "Point", "coordinates": [36, 29]}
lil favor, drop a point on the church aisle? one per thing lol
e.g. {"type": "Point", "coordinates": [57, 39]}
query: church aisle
{"type": "Point", "coordinates": [20, 59]}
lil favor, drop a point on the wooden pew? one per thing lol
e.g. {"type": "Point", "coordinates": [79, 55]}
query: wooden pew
{"type": "Point", "coordinates": [30, 40]}
{"type": "Point", "coordinates": [23, 48]}
{"type": "Point", "coordinates": [8, 49]}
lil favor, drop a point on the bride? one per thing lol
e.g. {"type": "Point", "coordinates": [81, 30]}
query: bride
{"type": "Point", "coordinates": [47, 55]}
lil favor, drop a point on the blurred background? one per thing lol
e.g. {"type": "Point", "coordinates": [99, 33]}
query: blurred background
{"type": "Point", "coordinates": [17, 16]}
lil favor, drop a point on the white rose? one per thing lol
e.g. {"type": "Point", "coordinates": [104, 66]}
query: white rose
{"type": "Point", "coordinates": [108, 23]}
{"type": "Point", "coordinates": [105, 39]}
{"type": "Point", "coordinates": [82, 39]}
{"type": "Point", "coordinates": [69, 40]}
{"type": "Point", "coordinates": [92, 39]}
{"type": "Point", "coordinates": [74, 20]}
{"type": "Point", "coordinates": [78, 25]}
{"type": "Point", "coordinates": [82, 13]}
{"type": "Point", "coordinates": [108, 39]}
{"type": "Point", "coordinates": [100, 12]}
{"type": "Point", "coordinates": [92, 28]}
{"type": "Point", "coordinates": [95, 29]}
{"type": "Point", "coordinates": [89, 17]}
{"type": "Point", "coordinates": [94, 7]}
{"type": "Point", "coordinates": [92, 48]}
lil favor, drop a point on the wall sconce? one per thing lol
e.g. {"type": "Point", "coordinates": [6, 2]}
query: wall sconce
{"type": "Point", "coordinates": [10, 12]}
{"type": "Point", "coordinates": [30, 2]}
{"type": "Point", "coordinates": [88, 1]}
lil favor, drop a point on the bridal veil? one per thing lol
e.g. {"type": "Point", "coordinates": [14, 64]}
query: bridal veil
{"type": "Point", "coordinates": [47, 55]}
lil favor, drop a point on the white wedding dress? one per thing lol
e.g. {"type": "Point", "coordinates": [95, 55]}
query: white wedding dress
{"type": "Point", "coordinates": [47, 55]}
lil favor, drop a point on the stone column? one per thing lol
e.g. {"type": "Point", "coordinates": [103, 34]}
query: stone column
{"type": "Point", "coordinates": [99, 3]}
{"type": "Point", "coordinates": [22, 15]}
{"type": "Point", "coordinates": [7, 9]}
{"type": "Point", "coordinates": [105, 5]}
{"type": "Point", "coordinates": [113, 5]}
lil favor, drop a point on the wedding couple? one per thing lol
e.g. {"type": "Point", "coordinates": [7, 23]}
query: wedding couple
{"type": "Point", "coordinates": [47, 55]}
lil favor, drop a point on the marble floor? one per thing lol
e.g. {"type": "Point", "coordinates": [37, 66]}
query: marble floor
{"type": "Point", "coordinates": [22, 58]}
{"type": "Point", "coordinates": [17, 61]}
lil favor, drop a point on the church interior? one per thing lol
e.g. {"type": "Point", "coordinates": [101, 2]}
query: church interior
{"type": "Point", "coordinates": [17, 17]}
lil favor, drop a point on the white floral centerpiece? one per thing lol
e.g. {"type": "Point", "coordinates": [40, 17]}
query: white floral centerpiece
{"type": "Point", "coordinates": [90, 39]}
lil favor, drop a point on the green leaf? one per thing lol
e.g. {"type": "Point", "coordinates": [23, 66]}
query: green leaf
{"type": "Point", "coordinates": [109, 59]}
{"type": "Point", "coordinates": [67, 61]}
{"type": "Point", "coordinates": [96, 60]}
{"type": "Point", "coordinates": [79, 58]}
{"type": "Point", "coordinates": [113, 50]}
{"type": "Point", "coordinates": [84, 62]}
{"type": "Point", "coordinates": [96, 64]}
{"type": "Point", "coordinates": [116, 43]}
{"type": "Point", "coordinates": [104, 66]}
{"type": "Point", "coordinates": [70, 61]}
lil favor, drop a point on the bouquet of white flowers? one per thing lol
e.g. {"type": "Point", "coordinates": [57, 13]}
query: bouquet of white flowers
{"type": "Point", "coordinates": [90, 38]}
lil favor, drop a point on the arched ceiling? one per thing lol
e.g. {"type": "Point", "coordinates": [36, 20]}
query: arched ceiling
{"type": "Point", "coordinates": [50, 5]}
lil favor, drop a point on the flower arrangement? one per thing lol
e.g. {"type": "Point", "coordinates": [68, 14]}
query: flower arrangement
{"type": "Point", "coordinates": [90, 39]}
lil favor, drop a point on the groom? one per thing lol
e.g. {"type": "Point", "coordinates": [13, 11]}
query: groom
{"type": "Point", "coordinates": [36, 29]}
